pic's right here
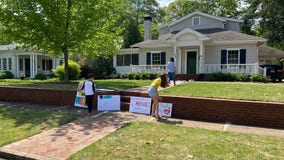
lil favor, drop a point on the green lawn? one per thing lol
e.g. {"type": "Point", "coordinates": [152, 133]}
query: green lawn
{"type": "Point", "coordinates": [17, 123]}
{"type": "Point", "coordinates": [113, 84]}
{"type": "Point", "coordinates": [271, 92]}
{"type": "Point", "coordinates": [150, 141]}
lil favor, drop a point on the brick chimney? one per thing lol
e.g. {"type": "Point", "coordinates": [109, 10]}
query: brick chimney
{"type": "Point", "coordinates": [147, 27]}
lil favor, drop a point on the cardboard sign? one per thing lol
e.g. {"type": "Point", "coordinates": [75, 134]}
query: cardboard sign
{"type": "Point", "coordinates": [140, 105]}
{"type": "Point", "coordinates": [80, 99]}
{"type": "Point", "coordinates": [109, 103]}
{"type": "Point", "coordinates": [165, 109]}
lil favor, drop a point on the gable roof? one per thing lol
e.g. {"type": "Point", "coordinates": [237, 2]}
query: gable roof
{"type": "Point", "coordinates": [216, 35]}
{"type": "Point", "coordinates": [266, 51]}
{"type": "Point", "coordinates": [8, 47]}
{"type": "Point", "coordinates": [188, 30]}
{"type": "Point", "coordinates": [230, 36]}
{"type": "Point", "coordinates": [160, 42]}
{"type": "Point", "coordinates": [218, 18]}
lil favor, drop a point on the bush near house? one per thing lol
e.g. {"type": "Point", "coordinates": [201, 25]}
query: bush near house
{"type": "Point", "coordinates": [74, 71]}
{"type": "Point", "coordinates": [138, 76]}
{"type": "Point", "coordinates": [6, 75]}
{"type": "Point", "coordinates": [258, 78]}
{"type": "Point", "coordinates": [41, 76]}
{"type": "Point", "coordinates": [219, 76]}
{"type": "Point", "coordinates": [101, 66]}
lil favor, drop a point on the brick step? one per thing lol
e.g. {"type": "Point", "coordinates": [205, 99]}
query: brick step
{"type": "Point", "coordinates": [124, 106]}
{"type": "Point", "coordinates": [125, 98]}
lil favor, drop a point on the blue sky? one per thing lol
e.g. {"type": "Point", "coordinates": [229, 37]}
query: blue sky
{"type": "Point", "coordinates": [164, 3]}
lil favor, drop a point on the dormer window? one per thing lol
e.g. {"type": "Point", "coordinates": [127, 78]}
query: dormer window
{"type": "Point", "coordinates": [195, 21]}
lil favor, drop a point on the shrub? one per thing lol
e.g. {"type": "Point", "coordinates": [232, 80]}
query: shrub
{"type": "Point", "coordinates": [244, 77]}
{"type": "Point", "coordinates": [153, 76]}
{"type": "Point", "coordinates": [231, 77]}
{"type": "Point", "coordinates": [219, 76]}
{"type": "Point", "coordinates": [116, 76]}
{"type": "Point", "coordinates": [258, 78]}
{"type": "Point", "coordinates": [74, 71]}
{"type": "Point", "coordinates": [144, 75]}
{"type": "Point", "coordinates": [41, 76]}
{"type": "Point", "coordinates": [6, 75]}
{"type": "Point", "coordinates": [137, 76]}
{"type": "Point", "coordinates": [130, 76]}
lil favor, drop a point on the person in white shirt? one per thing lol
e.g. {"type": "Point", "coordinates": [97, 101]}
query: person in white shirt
{"type": "Point", "coordinates": [90, 89]}
{"type": "Point", "coordinates": [172, 70]}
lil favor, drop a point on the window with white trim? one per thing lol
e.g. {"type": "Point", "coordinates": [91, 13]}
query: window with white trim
{"type": "Point", "coordinates": [233, 56]}
{"type": "Point", "coordinates": [195, 21]}
{"type": "Point", "coordinates": [46, 64]}
{"type": "Point", "coordinates": [4, 64]}
{"type": "Point", "coordinates": [156, 58]}
{"type": "Point", "coordinates": [127, 59]}
{"type": "Point", "coordinates": [10, 64]}
{"type": "Point", "coordinates": [21, 65]}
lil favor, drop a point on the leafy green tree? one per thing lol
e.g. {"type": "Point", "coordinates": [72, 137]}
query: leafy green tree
{"type": "Point", "coordinates": [134, 21]}
{"type": "Point", "coordinates": [87, 27]}
{"type": "Point", "coordinates": [149, 7]}
{"type": "Point", "coordinates": [180, 8]}
{"type": "Point", "coordinates": [132, 34]}
{"type": "Point", "coordinates": [268, 15]}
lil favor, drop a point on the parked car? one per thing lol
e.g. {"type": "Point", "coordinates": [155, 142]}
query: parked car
{"type": "Point", "coordinates": [274, 72]}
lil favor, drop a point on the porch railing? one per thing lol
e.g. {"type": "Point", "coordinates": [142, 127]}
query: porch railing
{"type": "Point", "coordinates": [233, 68]}
{"type": "Point", "coordinates": [208, 68]}
{"type": "Point", "coordinates": [149, 68]}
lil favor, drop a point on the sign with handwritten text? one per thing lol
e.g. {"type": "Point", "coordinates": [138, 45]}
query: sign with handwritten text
{"type": "Point", "coordinates": [108, 102]}
{"type": "Point", "coordinates": [165, 109]}
{"type": "Point", "coordinates": [80, 100]}
{"type": "Point", "coordinates": [140, 105]}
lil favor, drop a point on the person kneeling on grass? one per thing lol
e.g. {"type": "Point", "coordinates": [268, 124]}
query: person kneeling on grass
{"type": "Point", "coordinates": [153, 93]}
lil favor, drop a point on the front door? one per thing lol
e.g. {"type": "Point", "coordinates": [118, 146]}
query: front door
{"type": "Point", "coordinates": [191, 62]}
{"type": "Point", "coordinates": [27, 67]}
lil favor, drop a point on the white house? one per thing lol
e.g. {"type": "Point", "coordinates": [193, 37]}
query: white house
{"type": "Point", "coordinates": [199, 42]}
{"type": "Point", "coordinates": [21, 62]}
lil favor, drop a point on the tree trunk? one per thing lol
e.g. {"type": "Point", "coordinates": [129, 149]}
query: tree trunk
{"type": "Point", "coordinates": [66, 66]}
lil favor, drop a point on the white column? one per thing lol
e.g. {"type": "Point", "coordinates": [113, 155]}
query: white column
{"type": "Point", "coordinates": [114, 60]}
{"type": "Point", "coordinates": [17, 66]}
{"type": "Point", "coordinates": [179, 61]}
{"type": "Point", "coordinates": [35, 65]}
{"type": "Point", "coordinates": [201, 58]}
{"type": "Point", "coordinates": [31, 64]}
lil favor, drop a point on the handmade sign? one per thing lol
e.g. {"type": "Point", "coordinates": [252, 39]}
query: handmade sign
{"type": "Point", "coordinates": [108, 102]}
{"type": "Point", "coordinates": [80, 99]}
{"type": "Point", "coordinates": [140, 105]}
{"type": "Point", "coordinates": [165, 109]}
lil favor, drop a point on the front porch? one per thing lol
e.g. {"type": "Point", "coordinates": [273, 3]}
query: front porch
{"type": "Point", "coordinates": [208, 69]}
{"type": "Point", "coordinates": [30, 64]}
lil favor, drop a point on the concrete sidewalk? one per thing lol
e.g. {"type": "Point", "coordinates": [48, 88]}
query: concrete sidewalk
{"type": "Point", "coordinates": [60, 143]}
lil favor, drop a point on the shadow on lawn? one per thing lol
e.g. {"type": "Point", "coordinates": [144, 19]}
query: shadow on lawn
{"type": "Point", "coordinates": [167, 121]}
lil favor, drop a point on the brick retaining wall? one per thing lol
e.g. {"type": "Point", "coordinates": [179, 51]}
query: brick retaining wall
{"type": "Point", "coordinates": [253, 113]}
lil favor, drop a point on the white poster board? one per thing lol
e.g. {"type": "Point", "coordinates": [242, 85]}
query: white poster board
{"type": "Point", "coordinates": [80, 99]}
{"type": "Point", "coordinates": [165, 109]}
{"type": "Point", "coordinates": [108, 102]}
{"type": "Point", "coordinates": [140, 105]}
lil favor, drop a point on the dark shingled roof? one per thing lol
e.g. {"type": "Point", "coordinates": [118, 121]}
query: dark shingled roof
{"type": "Point", "coordinates": [210, 30]}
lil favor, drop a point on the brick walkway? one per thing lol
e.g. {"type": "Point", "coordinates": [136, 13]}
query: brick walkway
{"type": "Point", "coordinates": [60, 143]}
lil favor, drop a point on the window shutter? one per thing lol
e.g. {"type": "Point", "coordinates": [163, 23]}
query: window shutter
{"type": "Point", "coordinates": [163, 57]}
{"type": "Point", "coordinates": [43, 64]}
{"type": "Point", "coordinates": [148, 58]}
{"type": "Point", "coordinates": [223, 56]}
{"type": "Point", "coordinates": [243, 56]}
